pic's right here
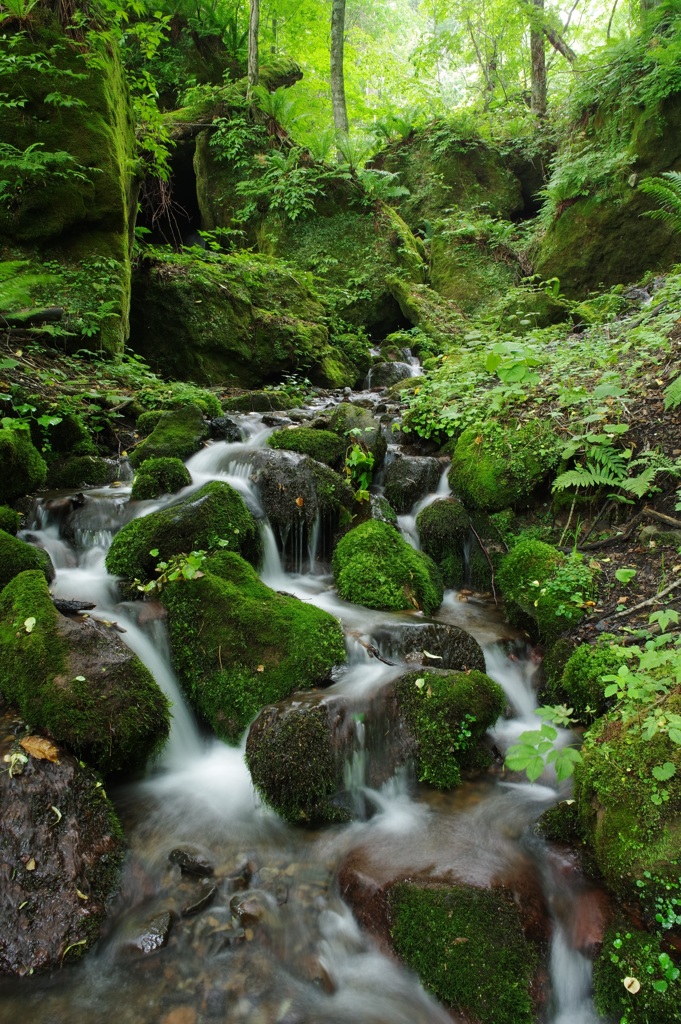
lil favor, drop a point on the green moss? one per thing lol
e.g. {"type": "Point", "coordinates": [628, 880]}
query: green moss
{"type": "Point", "coordinates": [17, 556]}
{"type": "Point", "coordinates": [84, 226]}
{"type": "Point", "coordinates": [467, 269]}
{"type": "Point", "coordinates": [543, 582]}
{"type": "Point", "coordinates": [614, 786]}
{"type": "Point", "coordinates": [64, 678]}
{"type": "Point", "coordinates": [581, 681]}
{"type": "Point", "coordinates": [560, 824]}
{"type": "Point", "coordinates": [468, 949]}
{"type": "Point", "coordinates": [628, 953]}
{"type": "Point", "coordinates": [261, 401]}
{"type": "Point", "coordinates": [237, 645]}
{"type": "Point", "coordinates": [80, 471]}
{"type": "Point", "coordinates": [71, 436]}
{"type": "Point", "coordinates": [23, 467]}
{"type": "Point", "coordinates": [443, 528]}
{"type": "Point", "coordinates": [9, 521]}
{"type": "Point", "coordinates": [159, 476]}
{"type": "Point", "coordinates": [240, 318]}
{"type": "Point", "coordinates": [275, 760]}
{"type": "Point", "coordinates": [375, 567]}
{"type": "Point", "coordinates": [147, 421]}
{"type": "Point", "coordinates": [178, 434]}
{"type": "Point", "coordinates": [193, 524]}
{"type": "Point", "coordinates": [448, 713]}
{"type": "Point", "coordinates": [495, 466]}
{"type": "Point", "coordinates": [321, 445]}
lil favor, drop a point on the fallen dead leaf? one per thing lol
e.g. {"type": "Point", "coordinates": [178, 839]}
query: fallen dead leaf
{"type": "Point", "coordinates": [40, 748]}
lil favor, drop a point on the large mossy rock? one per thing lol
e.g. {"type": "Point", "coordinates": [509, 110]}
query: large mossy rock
{"type": "Point", "coordinates": [216, 510]}
{"type": "Point", "coordinates": [408, 479]}
{"type": "Point", "coordinates": [9, 520]}
{"type": "Point", "coordinates": [82, 471]}
{"type": "Point", "coordinates": [444, 528]}
{"type": "Point", "coordinates": [301, 497]}
{"type": "Point", "coordinates": [177, 435]}
{"type": "Point", "coordinates": [321, 445]}
{"type": "Point", "coordinates": [467, 267]}
{"type": "Point", "coordinates": [448, 713]}
{"type": "Point", "coordinates": [495, 467]}
{"type": "Point", "coordinates": [600, 234]}
{"type": "Point", "coordinates": [76, 679]}
{"type": "Point", "coordinates": [541, 582]}
{"type": "Point", "coordinates": [53, 908]}
{"type": "Point", "coordinates": [17, 556]}
{"type": "Point", "coordinates": [298, 751]}
{"type": "Point", "coordinates": [629, 832]}
{"type": "Point", "coordinates": [467, 947]}
{"type": "Point", "coordinates": [446, 165]}
{"type": "Point", "coordinates": [237, 645]}
{"type": "Point", "coordinates": [238, 318]}
{"type": "Point", "coordinates": [375, 567]}
{"type": "Point", "coordinates": [159, 476]}
{"type": "Point", "coordinates": [581, 685]}
{"type": "Point", "coordinates": [23, 467]}
{"type": "Point", "coordinates": [83, 217]}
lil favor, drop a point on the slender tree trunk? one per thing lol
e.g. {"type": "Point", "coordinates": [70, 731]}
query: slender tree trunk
{"type": "Point", "coordinates": [538, 57]}
{"type": "Point", "coordinates": [340, 110]}
{"type": "Point", "coordinates": [253, 29]}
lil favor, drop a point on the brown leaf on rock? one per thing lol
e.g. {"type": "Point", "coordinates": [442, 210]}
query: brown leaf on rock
{"type": "Point", "coordinates": [40, 748]}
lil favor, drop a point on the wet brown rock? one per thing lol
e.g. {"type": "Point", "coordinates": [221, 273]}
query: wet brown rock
{"type": "Point", "coordinates": [206, 895]}
{"type": "Point", "coordinates": [60, 850]}
{"type": "Point", "coordinates": [155, 935]}
{"type": "Point", "coordinates": [251, 907]}
{"type": "Point", "coordinates": [191, 862]}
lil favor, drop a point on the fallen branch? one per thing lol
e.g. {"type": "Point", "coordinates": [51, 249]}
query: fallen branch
{"type": "Point", "coordinates": [489, 562]}
{"type": "Point", "coordinates": [668, 520]}
{"type": "Point", "coordinates": [609, 541]}
{"type": "Point", "coordinates": [651, 600]}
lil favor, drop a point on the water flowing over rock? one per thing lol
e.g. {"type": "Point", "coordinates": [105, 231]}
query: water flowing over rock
{"type": "Point", "coordinates": [407, 479]}
{"type": "Point", "coordinates": [432, 644]}
{"type": "Point", "coordinates": [60, 850]}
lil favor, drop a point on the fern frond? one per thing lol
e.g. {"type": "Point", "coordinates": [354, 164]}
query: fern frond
{"type": "Point", "coordinates": [585, 476]}
{"type": "Point", "coordinates": [666, 191]}
{"type": "Point", "coordinates": [672, 394]}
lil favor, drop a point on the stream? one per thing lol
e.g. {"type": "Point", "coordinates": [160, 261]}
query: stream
{"type": "Point", "coordinates": [307, 961]}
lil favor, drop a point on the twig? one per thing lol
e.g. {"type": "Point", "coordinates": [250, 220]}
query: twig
{"type": "Point", "coordinates": [651, 600]}
{"type": "Point", "coordinates": [567, 525]}
{"type": "Point", "coordinates": [604, 509]}
{"type": "Point", "coordinates": [625, 535]}
{"type": "Point", "coordinates": [489, 561]}
{"type": "Point", "coordinates": [668, 520]}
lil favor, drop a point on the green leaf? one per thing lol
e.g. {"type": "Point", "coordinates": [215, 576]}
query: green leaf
{"type": "Point", "coordinates": [625, 575]}
{"type": "Point", "coordinates": [665, 771]}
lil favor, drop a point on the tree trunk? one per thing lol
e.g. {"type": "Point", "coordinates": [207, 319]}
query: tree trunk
{"type": "Point", "coordinates": [538, 57]}
{"type": "Point", "coordinates": [340, 110]}
{"type": "Point", "coordinates": [253, 28]}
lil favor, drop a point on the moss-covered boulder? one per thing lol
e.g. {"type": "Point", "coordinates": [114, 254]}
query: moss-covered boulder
{"type": "Point", "coordinates": [264, 400]}
{"type": "Point", "coordinates": [159, 476]}
{"type": "Point", "coordinates": [303, 500]}
{"type": "Point", "coordinates": [75, 853]}
{"type": "Point", "coordinates": [631, 821]}
{"type": "Point", "coordinates": [440, 319]}
{"type": "Point", "coordinates": [23, 467]}
{"type": "Point", "coordinates": [76, 679]}
{"type": "Point", "coordinates": [443, 529]}
{"type": "Point", "coordinates": [629, 952]}
{"type": "Point", "coordinates": [581, 683]}
{"type": "Point", "coordinates": [237, 645]}
{"type": "Point", "coordinates": [447, 164]}
{"type": "Point", "coordinates": [177, 435]}
{"type": "Point", "coordinates": [245, 319]}
{"type": "Point", "coordinates": [216, 510]}
{"type": "Point", "coordinates": [17, 556]}
{"type": "Point", "coordinates": [297, 752]}
{"type": "Point", "coordinates": [469, 265]}
{"type": "Point", "coordinates": [81, 471]}
{"type": "Point", "coordinates": [374, 566]}
{"type": "Point", "coordinates": [71, 437]}
{"type": "Point", "coordinates": [448, 713]}
{"type": "Point", "coordinates": [467, 947]}
{"type": "Point", "coordinates": [382, 510]}
{"type": "Point", "coordinates": [546, 586]}
{"type": "Point", "coordinates": [496, 467]}
{"type": "Point", "coordinates": [146, 421]}
{"type": "Point", "coordinates": [321, 445]}
{"type": "Point", "coordinates": [9, 520]}
{"type": "Point", "coordinates": [347, 418]}
{"type": "Point", "coordinates": [79, 212]}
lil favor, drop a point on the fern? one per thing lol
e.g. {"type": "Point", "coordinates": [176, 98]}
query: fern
{"type": "Point", "coordinates": [672, 394]}
{"type": "Point", "coordinates": [665, 190]}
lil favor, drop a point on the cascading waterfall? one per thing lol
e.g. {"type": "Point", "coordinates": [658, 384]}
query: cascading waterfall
{"type": "Point", "coordinates": [314, 964]}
